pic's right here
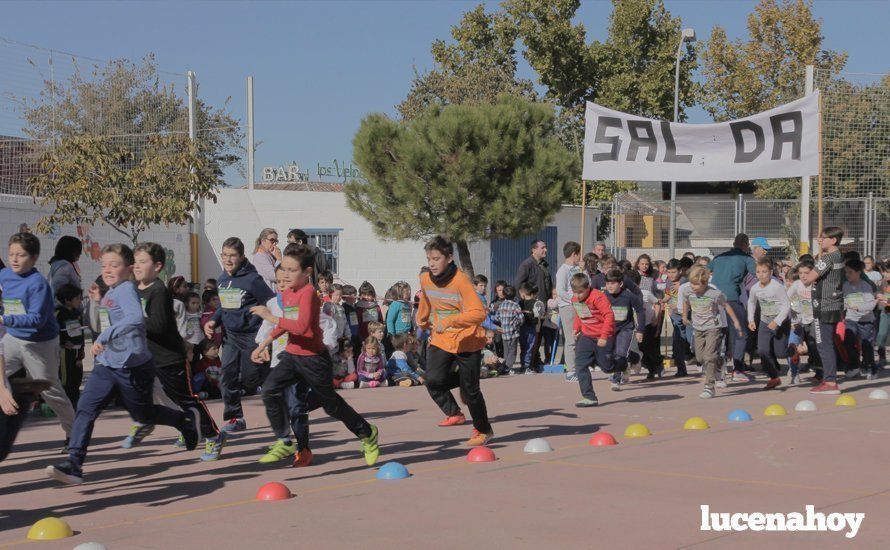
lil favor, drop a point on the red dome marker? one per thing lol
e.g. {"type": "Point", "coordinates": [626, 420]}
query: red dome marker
{"type": "Point", "coordinates": [481, 454]}
{"type": "Point", "coordinates": [273, 491]}
{"type": "Point", "coordinates": [602, 439]}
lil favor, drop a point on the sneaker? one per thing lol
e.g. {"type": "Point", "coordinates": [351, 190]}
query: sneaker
{"type": "Point", "coordinates": [66, 473]}
{"type": "Point", "coordinates": [635, 368]}
{"type": "Point", "coordinates": [625, 379]}
{"type": "Point", "coordinates": [303, 458]}
{"type": "Point", "coordinates": [773, 383]}
{"type": "Point", "coordinates": [138, 432]}
{"type": "Point", "coordinates": [616, 385]}
{"type": "Point", "coordinates": [213, 447]}
{"type": "Point", "coordinates": [190, 429]}
{"type": "Point", "coordinates": [65, 446]}
{"type": "Point", "coordinates": [742, 376]}
{"type": "Point", "coordinates": [180, 442]}
{"type": "Point", "coordinates": [235, 425]}
{"type": "Point", "coordinates": [455, 420]}
{"type": "Point", "coordinates": [853, 373]}
{"type": "Point", "coordinates": [515, 372]}
{"type": "Point", "coordinates": [279, 451]}
{"type": "Point", "coordinates": [681, 373]}
{"type": "Point", "coordinates": [707, 393]}
{"type": "Point", "coordinates": [406, 383]}
{"type": "Point", "coordinates": [826, 388]}
{"type": "Point", "coordinates": [795, 379]}
{"type": "Point", "coordinates": [370, 448]}
{"type": "Point", "coordinates": [871, 376]}
{"type": "Point", "coordinates": [529, 370]}
{"type": "Point", "coordinates": [721, 384]}
{"type": "Point", "coordinates": [478, 439]}
{"type": "Point", "coordinates": [587, 403]}
{"type": "Point", "coordinates": [571, 377]}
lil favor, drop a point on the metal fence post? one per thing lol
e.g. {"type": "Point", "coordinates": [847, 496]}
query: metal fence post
{"type": "Point", "coordinates": [250, 174]}
{"type": "Point", "coordinates": [197, 222]}
{"type": "Point", "coordinates": [804, 246]}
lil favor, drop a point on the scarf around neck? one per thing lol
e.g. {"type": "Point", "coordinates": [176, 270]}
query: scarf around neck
{"type": "Point", "coordinates": [445, 277]}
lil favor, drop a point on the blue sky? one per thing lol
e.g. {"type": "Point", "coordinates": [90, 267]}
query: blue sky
{"type": "Point", "coordinates": [319, 67]}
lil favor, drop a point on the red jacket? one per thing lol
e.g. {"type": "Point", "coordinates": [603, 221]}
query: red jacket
{"type": "Point", "coordinates": [302, 311]}
{"type": "Point", "coordinates": [594, 317]}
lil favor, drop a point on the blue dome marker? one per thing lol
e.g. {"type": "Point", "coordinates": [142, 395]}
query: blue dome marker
{"type": "Point", "coordinates": [740, 415]}
{"type": "Point", "coordinates": [392, 470]}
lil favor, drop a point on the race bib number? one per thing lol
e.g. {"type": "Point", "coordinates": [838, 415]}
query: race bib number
{"type": "Point", "coordinates": [144, 303]}
{"type": "Point", "coordinates": [769, 308]}
{"type": "Point", "coordinates": [582, 310]}
{"type": "Point", "coordinates": [230, 298]}
{"type": "Point", "coordinates": [353, 319]}
{"type": "Point", "coordinates": [292, 312]}
{"type": "Point", "coordinates": [279, 343]}
{"type": "Point", "coordinates": [701, 304]}
{"type": "Point", "coordinates": [104, 319]}
{"type": "Point", "coordinates": [854, 300]}
{"type": "Point", "coordinates": [13, 307]}
{"type": "Point", "coordinates": [369, 315]}
{"type": "Point", "coordinates": [806, 308]}
{"type": "Point", "coordinates": [620, 313]}
{"type": "Point", "coordinates": [73, 329]}
{"type": "Point", "coordinates": [193, 325]}
{"type": "Point", "coordinates": [406, 316]}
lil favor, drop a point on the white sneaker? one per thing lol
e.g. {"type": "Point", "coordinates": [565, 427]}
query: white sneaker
{"type": "Point", "coordinates": [635, 368]}
{"type": "Point", "coordinates": [871, 376]}
{"type": "Point", "coordinates": [721, 384]}
{"type": "Point", "coordinates": [625, 379]}
{"type": "Point", "coordinates": [707, 393]}
{"type": "Point", "coordinates": [853, 373]}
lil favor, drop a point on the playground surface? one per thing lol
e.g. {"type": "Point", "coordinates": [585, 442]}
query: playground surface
{"type": "Point", "coordinates": [641, 493]}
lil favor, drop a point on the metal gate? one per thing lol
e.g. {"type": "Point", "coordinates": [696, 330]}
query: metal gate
{"type": "Point", "coordinates": [507, 254]}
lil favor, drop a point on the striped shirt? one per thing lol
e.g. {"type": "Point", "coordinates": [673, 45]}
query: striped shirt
{"type": "Point", "coordinates": [828, 296]}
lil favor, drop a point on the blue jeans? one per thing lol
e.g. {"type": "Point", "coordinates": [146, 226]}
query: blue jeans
{"type": "Point", "coordinates": [738, 343]}
{"type": "Point", "coordinates": [527, 349]}
{"type": "Point", "coordinates": [588, 354]}
{"type": "Point", "coordinates": [623, 341]}
{"type": "Point", "coordinates": [134, 385]}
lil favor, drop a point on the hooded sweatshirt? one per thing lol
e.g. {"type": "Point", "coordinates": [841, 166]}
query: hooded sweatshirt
{"type": "Point", "coordinates": [164, 339]}
{"type": "Point", "coordinates": [237, 294]}
{"type": "Point", "coordinates": [124, 338]}
{"type": "Point", "coordinates": [28, 306]}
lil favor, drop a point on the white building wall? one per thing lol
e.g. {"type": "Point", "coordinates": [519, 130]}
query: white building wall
{"type": "Point", "coordinates": [15, 211]}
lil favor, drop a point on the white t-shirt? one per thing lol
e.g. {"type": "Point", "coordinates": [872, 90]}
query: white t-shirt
{"type": "Point", "coordinates": [266, 329]}
{"type": "Point", "coordinates": [773, 301]}
{"type": "Point", "coordinates": [801, 298]}
{"type": "Point", "coordinates": [649, 301]}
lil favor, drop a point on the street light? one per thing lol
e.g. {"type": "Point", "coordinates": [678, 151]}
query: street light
{"type": "Point", "coordinates": [687, 35]}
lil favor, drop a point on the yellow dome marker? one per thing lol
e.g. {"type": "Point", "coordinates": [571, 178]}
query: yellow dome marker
{"type": "Point", "coordinates": [637, 430]}
{"type": "Point", "coordinates": [845, 401]}
{"type": "Point", "coordinates": [50, 529]}
{"type": "Point", "coordinates": [775, 410]}
{"type": "Point", "coordinates": [696, 423]}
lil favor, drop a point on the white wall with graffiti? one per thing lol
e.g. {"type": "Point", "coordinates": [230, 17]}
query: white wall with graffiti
{"type": "Point", "coordinates": [17, 212]}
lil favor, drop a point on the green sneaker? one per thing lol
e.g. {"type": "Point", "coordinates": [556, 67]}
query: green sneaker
{"type": "Point", "coordinates": [279, 451]}
{"type": "Point", "coordinates": [587, 403]}
{"type": "Point", "coordinates": [370, 447]}
{"type": "Point", "coordinates": [138, 432]}
{"type": "Point", "coordinates": [180, 443]}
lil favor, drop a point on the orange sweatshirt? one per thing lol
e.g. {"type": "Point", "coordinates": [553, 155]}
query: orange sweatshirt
{"type": "Point", "coordinates": [457, 309]}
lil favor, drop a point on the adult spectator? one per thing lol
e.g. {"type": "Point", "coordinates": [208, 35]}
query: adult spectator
{"type": "Point", "coordinates": [63, 269]}
{"type": "Point", "coordinates": [599, 248]}
{"type": "Point", "coordinates": [536, 270]}
{"type": "Point", "coordinates": [320, 261]}
{"type": "Point", "coordinates": [729, 271]}
{"type": "Point", "coordinates": [759, 247]}
{"type": "Point", "coordinates": [266, 255]}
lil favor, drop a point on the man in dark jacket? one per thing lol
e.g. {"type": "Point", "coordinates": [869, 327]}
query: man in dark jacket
{"type": "Point", "coordinates": [536, 270]}
{"type": "Point", "coordinates": [728, 275]}
{"type": "Point", "coordinates": [320, 261]}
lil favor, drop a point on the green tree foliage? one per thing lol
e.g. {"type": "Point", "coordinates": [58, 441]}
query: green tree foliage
{"type": "Point", "coordinates": [478, 67]}
{"type": "Point", "coordinates": [89, 178]}
{"type": "Point", "coordinates": [470, 172]}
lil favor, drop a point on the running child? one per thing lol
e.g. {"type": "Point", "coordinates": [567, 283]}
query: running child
{"type": "Point", "coordinates": [708, 307]}
{"type": "Point", "coordinates": [123, 367]}
{"type": "Point", "coordinates": [167, 348]}
{"type": "Point", "coordinates": [772, 333]}
{"type": "Point", "coordinates": [800, 294]}
{"type": "Point", "coordinates": [305, 361]}
{"type": "Point", "coordinates": [240, 288]}
{"type": "Point", "coordinates": [630, 323]}
{"type": "Point", "coordinates": [675, 280]}
{"type": "Point", "coordinates": [450, 308]}
{"type": "Point", "coordinates": [32, 331]}
{"type": "Point", "coordinates": [594, 333]}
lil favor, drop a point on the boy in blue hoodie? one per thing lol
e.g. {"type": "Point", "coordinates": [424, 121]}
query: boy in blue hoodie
{"type": "Point", "coordinates": [32, 338]}
{"type": "Point", "coordinates": [240, 288]}
{"type": "Point", "coordinates": [123, 367]}
{"type": "Point", "coordinates": [630, 322]}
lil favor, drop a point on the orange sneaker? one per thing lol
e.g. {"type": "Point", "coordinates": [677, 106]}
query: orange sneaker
{"type": "Point", "coordinates": [303, 458]}
{"type": "Point", "coordinates": [455, 420]}
{"type": "Point", "coordinates": [478, 438]}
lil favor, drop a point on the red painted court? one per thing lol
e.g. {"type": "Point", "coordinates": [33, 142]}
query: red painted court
{"type": "Point", "coordinates": [642, 493]}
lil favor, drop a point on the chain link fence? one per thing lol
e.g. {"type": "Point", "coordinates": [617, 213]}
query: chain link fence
{"type": "Point", "coordinates": [48, 96]}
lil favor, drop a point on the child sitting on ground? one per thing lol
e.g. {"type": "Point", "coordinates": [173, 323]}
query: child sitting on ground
{"type": "Point", "coordinates": [398, 370]}
{"type": "Point", "coordinates": [344, 368]}
{"type": "Point", "coordinates": [370, 366]}
{"type": "Point", "coordinates": [378, 331]}
{"type": "Point", "coordinates": [492, 365]}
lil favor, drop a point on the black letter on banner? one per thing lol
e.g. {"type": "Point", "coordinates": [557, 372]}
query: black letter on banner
{"type": "Point", "coordinates": [671, 154]}
{"type": "Point", "coordinates": [604, 123]}
{"type": "Point", "coordinates": [781, 137]}
{"type": "Point", "coordinates": [740, 154]}
{"type": "Point", "coordinates": [649, 141]}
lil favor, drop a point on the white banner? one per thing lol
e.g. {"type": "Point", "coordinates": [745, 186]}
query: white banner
{"type": "Point", "coordinates": [779, 143]}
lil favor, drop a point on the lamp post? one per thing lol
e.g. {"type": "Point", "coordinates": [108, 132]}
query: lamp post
{"type": "Point", "coordinates": [687, 35]}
